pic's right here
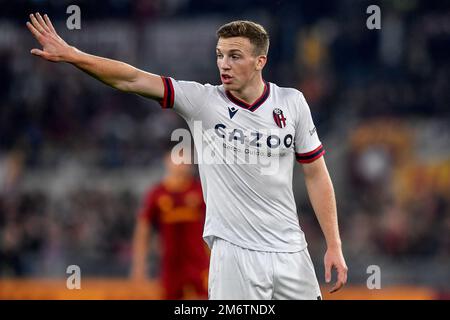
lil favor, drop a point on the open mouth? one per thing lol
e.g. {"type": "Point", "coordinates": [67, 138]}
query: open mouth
{"type": "Point", "coordinates": [226, 78]}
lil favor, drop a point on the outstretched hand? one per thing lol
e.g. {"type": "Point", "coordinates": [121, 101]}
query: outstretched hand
{"type": "Point", "coordinates": [54, 48]}
{"type": "Point", "coordinates": [335, 259]}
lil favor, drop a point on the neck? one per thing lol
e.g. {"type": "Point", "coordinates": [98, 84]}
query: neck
{"type": "Point", "coordinates": [176, 183]}
{"type": "Point", "coordinates": [252, 91]}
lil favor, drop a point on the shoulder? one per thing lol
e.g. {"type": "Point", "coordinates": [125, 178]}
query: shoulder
{"type": "Point", "coordinates": [286, 93]}
{"type": "Point", "coordinates": [196, 185]}
{"type": "Point", "coordinates": [189, 84]}
{"type": "Point", "coordinates": [291, 97]}
{"type": "Point", "coordinates": [194, 91]}
{"type": "Point", "coordinates": [154, 191]}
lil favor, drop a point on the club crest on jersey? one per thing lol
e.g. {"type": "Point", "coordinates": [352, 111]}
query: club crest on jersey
{"type": "Point", "coordinates": [279, 117]}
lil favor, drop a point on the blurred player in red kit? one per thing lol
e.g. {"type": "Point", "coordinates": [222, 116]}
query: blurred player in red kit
{"type": "Point", "coordinates": [176, 208]}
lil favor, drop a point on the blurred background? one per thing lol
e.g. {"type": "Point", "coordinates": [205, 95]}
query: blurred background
{"type": "Point", "coordinates": [77, 156]}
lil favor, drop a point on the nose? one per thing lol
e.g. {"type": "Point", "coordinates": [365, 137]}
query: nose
{"type": "Point", "coordinates": [223, 64]}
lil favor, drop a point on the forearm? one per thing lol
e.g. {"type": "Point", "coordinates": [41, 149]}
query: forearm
{"type": "Point", "coordinates": [140, 250]}
{"type": "Point", "coordinates": [114, 73]}
{"type": "Point", "coordinates": [321, 194]}
{"type": "Point", "coordinates": [139, 263]}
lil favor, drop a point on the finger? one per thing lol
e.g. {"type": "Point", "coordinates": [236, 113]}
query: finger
{"type": "Point", "coordinates": [34, 31]}
{"type": "Point", "coordinates": [42, 22]}
{"type": "Point", "coordinates": [338, 285]}
{"type": "Point", "coordinates": [38, 52]}
{"type": "Point", "coordinates": [343, 272]}
{"type": "Point", "coordinates": [344, 276]}
{"type": "Point", "coordinates": [327, 272]}
{"type": "Point", "coordinates": [36, 24]}
{"type": "Point", "coordinates": [49, 23]}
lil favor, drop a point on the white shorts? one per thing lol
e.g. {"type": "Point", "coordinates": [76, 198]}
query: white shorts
{"type": "Point", "coordinates": [236, 273]}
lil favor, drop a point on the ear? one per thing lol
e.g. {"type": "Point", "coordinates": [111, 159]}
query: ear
{"type": "Point", "coordinates": [260, 62]}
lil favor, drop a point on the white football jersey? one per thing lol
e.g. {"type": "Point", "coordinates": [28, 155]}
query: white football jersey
{"type": "Point", "coordinates": [246, 154]}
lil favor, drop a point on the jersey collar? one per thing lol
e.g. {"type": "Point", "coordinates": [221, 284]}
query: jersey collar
{"type": "Point", "coordinates": [256, 104]}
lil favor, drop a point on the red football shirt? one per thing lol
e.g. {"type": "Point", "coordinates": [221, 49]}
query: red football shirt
{"type": "Point", "coordinates": [179, 216]}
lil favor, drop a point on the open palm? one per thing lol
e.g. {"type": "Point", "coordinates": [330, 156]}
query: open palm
{"type": "Point", "coordinates": [54, 48]}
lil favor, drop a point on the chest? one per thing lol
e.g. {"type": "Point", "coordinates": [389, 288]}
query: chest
{"type": "Point", "coordinates": [270, 127]}
{"type": "Point", "coordinates": [176, 208]}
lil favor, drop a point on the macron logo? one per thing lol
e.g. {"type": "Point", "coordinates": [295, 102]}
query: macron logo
{"type": "Point", "coordinates": [232, 111]}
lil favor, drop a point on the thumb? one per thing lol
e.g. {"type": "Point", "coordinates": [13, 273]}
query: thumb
{"type": "Point", "coordinates": [37, 52]}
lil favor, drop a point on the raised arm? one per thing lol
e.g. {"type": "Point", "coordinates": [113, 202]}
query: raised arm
{"type": "Point", "coordinates": [321, 194]}
{"type": "Point", "coordinates": [114, 73]}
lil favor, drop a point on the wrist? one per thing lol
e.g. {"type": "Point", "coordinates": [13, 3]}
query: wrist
{"type": "Point", "coordinates": [71, 55]}
{"type": "Point", "coordinates": [333, 245]}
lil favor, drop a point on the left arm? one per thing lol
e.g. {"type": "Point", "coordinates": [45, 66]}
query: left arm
{"type": "Point", "coordinates": [321, 194]}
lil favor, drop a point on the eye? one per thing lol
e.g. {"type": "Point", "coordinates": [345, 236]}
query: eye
{"type": "Point", "coordinates": [219, 55]}
{"type": "Point", "coordinates": [235, 56]}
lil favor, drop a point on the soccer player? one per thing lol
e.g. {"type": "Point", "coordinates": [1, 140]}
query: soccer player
{"type": "Point", "coordinates": [258, 250]}
{"type": "Point", "coordinates": [175, 207]}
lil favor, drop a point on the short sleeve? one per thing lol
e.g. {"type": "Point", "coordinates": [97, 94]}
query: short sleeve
{"type": "Point", "coordinates": [185, 97]}
{"type": "Point", "coordinates": [308, 147]}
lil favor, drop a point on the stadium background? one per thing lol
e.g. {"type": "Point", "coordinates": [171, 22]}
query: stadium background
{"type": "Point", "coordinates": [77, 156]}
